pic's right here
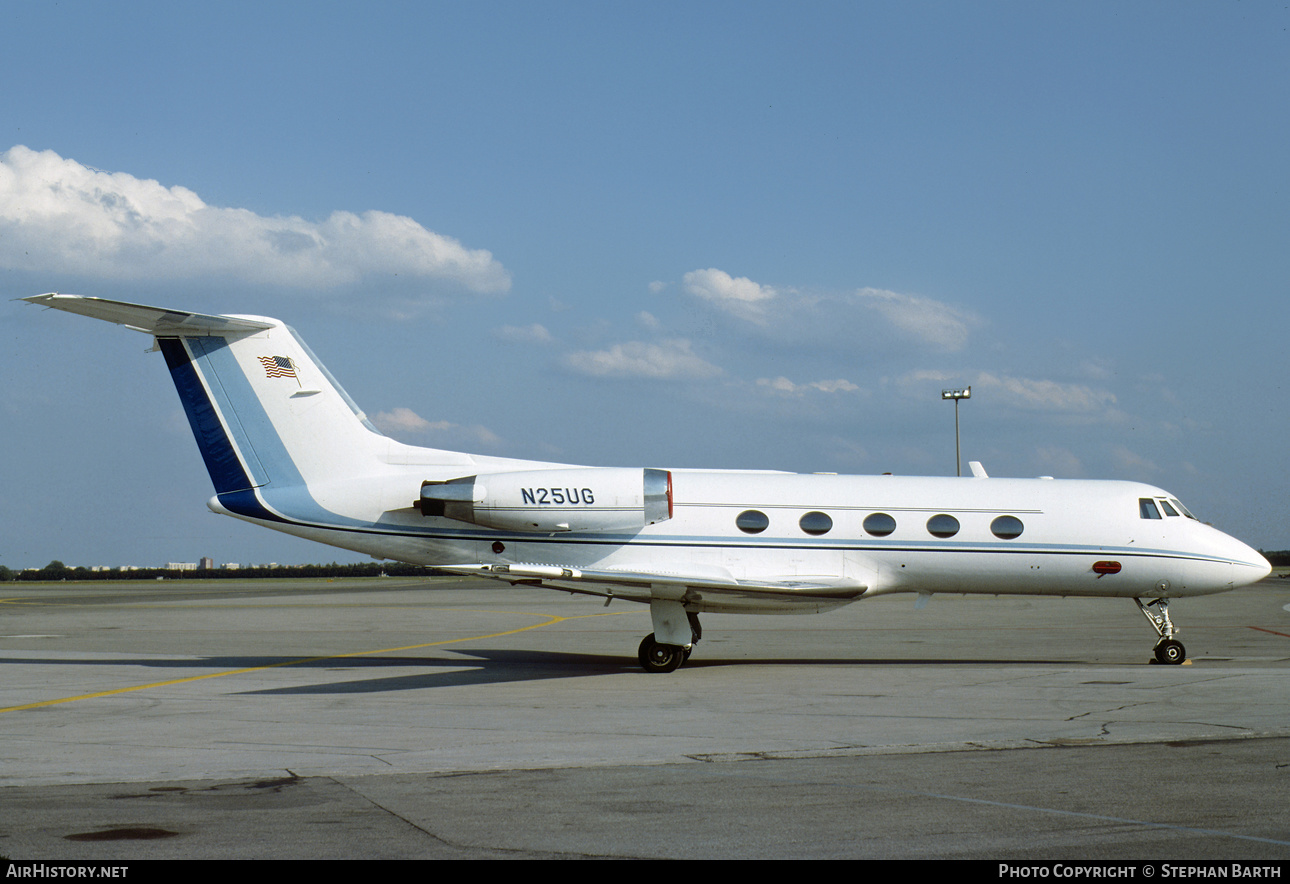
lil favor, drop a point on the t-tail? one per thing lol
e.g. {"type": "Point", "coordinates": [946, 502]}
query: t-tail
{"type": "Point", "coordinates": [277, 433]}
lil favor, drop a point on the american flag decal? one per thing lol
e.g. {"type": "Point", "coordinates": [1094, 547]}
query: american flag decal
{"type": "Point", "coordinates": [278, 366]}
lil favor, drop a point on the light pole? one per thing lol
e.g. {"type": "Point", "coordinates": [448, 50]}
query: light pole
{"type": "Point", "coordinates": [956, 395]}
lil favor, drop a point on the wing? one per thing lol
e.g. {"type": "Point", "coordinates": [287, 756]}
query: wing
{"type": "Point", "coordinates": [699, 592]}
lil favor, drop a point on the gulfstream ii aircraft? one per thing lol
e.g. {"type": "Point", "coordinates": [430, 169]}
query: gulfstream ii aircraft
{"type": "Point", "coordinates": [287, 449]}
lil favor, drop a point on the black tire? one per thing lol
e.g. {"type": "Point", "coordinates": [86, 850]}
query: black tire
{"type": "Point", "coordinates": [1170, 652]}
{"type": "Point", "coordinates": [655, 657]}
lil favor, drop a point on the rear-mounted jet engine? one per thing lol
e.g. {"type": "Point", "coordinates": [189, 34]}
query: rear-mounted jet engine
{"type": "Point", "coordinates": [548, 501]}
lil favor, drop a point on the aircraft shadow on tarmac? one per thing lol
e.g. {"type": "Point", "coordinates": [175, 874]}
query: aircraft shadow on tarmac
{"type": "Point", "coordinates": [510, 666]}
{"type": "Point", "coordinates": [492, 666]}
{"type": "Point", "coordinates": [500, 667]}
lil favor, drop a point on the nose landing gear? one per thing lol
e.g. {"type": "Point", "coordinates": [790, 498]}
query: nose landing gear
{"type": "Point", "coordinates": [1168, 650]}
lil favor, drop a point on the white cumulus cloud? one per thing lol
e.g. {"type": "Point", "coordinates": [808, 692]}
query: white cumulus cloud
{"type": "Point", "coordinates": [794, 313]}
{"type": "Point", "coordinates": [928, 320]}
{"type": "Point", "coordinates": [739, 295]}
{"type": "Point", "coordinates": [401, 420]}
{"type": "Point", "coordinates": [1044, 395]}
{"type": "Point", "coordinates": [648, 321]}
{"type": "Point", "coordinates": [666, 360]}
{"type": "Point", "coordinates": [784, 385]}
{"type": "Point", "coordinates": [56, 214]}
{"type": "Point", "coordinates": [525, 334]}
{"type": "Point", "coordinates": [1055, 460]}
{"type": "Point", "coordinates": [1132, 462]}
{"type": "Point", "coordinates": [407, 423]}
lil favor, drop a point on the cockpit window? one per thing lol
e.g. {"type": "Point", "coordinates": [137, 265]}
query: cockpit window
{"type": "Point", "coordinates": [1169, 510]}
{"type": "Point", "coordinates": [1147, 508]}
{"type": "Point", "coordinates": [1182, 509]}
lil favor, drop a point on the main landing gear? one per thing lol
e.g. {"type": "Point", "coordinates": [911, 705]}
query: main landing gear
{"type": "Point", "coordinates": [656, 656]}
{"type": "Point", "coordinates": [1168, 650]}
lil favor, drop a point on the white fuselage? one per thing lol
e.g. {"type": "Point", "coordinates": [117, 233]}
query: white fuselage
{"type": "Point", "coordinates": [1067, 527]}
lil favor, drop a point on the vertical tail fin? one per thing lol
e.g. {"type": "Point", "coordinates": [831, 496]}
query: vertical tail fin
{"type": "Point", "coordinates": [264, 411]}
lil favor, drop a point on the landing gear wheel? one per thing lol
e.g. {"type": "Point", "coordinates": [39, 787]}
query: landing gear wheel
{"type": "Point", "coordinates": [1168, 650]}
{"type": "Point", "coordinates": [1171, 652]}
{"type": "Point", "coordinates": [655, 657]}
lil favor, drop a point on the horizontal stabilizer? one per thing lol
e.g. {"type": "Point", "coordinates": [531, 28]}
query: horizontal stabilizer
{"type": "Point", "coordinates": [152, 320]}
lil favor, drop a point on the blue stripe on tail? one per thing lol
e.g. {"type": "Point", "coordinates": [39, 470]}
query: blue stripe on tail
{"type": "Point", "coordinates": [237, 440]}
{"type": "Point", "coordinates": [225, 468]}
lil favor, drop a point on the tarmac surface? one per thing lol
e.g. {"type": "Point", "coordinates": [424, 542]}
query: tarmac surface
{"type": "Point", "coordinates": [392, 718]}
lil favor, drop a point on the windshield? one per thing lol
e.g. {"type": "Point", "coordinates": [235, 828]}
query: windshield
{"type": "Point", "coordinates": [1151, 508]}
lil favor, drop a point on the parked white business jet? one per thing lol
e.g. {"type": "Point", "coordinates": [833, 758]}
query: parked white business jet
{"type": "Point", "coordinates": [288, 449]}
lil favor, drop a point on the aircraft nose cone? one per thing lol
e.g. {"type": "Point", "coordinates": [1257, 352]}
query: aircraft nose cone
{"type": "Point", "coordinates": [1249, 566]}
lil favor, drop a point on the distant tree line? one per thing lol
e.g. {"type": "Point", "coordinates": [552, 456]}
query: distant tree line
{"type": "Point", "coordinates": [56, 570]}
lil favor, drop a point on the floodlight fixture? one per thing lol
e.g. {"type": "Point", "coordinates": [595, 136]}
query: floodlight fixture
{"type": "Point", "coordinates": [956, 395]}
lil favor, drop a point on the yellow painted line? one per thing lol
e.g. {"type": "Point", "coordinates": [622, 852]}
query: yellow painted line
{"type": "Point", "coordinates": [551, 620]}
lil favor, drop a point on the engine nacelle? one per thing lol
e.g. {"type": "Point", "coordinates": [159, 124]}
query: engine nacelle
{"type": "Point", "coordinates": [550, 501]}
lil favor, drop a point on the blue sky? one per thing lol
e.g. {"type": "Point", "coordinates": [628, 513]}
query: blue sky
{"type": "Point", "coordinates": [747, 235]}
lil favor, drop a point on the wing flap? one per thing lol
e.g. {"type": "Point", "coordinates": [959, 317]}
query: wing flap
{"type": "Point", "coordinates": [698, 591]}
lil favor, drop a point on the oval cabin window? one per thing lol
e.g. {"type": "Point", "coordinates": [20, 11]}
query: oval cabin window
{"type": "Point", "coordinates": [942, 526]}
{"type": "Point", "coordinates": [1007, 527]}
{"type": "Point", "coordinates": [816, 523]}
{"type": "Point", "coordinates": [879, 524]}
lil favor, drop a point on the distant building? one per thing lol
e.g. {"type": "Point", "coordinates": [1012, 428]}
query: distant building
{"type": "Point", "coordinates": [180, 566]}
{"type": "Point", "coordinates": [207, 563]}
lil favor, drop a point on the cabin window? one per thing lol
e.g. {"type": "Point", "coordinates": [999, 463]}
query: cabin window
{"type": "Point", "coordinates": [1007, 527]}
{"type": "Point", "coordinates": [752, 522]}
{"type": "Point", "coordinates": [816, 523]}
{"type": "Point", "coordinates": [879, 524]}
{"type": "Point", "coordinates": [1147, 508]}
{"type": "Point", "coordinates": [942, 526]}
